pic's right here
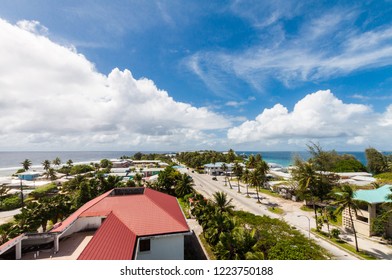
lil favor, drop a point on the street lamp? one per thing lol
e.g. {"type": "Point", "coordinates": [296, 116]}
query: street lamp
{"type": "Point", "coordinates": [308, 221]}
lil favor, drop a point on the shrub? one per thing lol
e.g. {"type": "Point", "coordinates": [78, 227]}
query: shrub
{"type": "Point", "coordinates": [81, 168]}
{"type": "Point", "coordinates": [335, 233]}
{"type": "Point", "coordinates": [44, 191]}
{"type": "Point", "coordinates": [10, 202]}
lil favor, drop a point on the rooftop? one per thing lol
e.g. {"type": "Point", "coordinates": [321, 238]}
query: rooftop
{"type": "Point", "coordinates": [374, 196]}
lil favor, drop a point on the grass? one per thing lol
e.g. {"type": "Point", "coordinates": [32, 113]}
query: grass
{"type": "Point", "coordinates": [306, 208]}
{"type": "Point", "coordinates": [343, 244]}
{"type": "Point", "coordinates": [268, 192]}
{"type": "Point", "coordinates": [207, 247]}
{"type": "Point", "coordinates": [184, 206]}
{"type": "Point", "coordinates": [276, 210]}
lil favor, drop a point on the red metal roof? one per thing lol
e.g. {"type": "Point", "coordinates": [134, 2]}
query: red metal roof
{"type": "Point", "coordinates": [74, 216]}
{"type": "Point", "coordinates": [128, 216]}
{"type": "Point", "coordinates": [112, 241]}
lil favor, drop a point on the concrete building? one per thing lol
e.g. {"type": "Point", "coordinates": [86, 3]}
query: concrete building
{"type": "Point", "coordinates": [29, 175]}
{"type": "Point", "coordinates": [122, 224]}
{"type": "Point", "coordinates": [369, 210]}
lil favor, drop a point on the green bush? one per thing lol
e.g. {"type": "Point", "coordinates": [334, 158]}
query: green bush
{"type": "Point", "coordinates": [10, 202]}
{"type": "Point", "coordinates": [44, 191]}
{"type": "Point", "coordinates": [335, 233]}
{"type": "Point", "coordinates": [81, 168]}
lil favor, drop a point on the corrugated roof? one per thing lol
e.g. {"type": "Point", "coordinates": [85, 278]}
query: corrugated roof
{"type": "Point", "coordinates": [129, 216]}
{"type": "Point", "coordinates": [374, 196]}
{"type": "Point", "coordinates": [150, 213]}
{"type": "Point", "coordinates": [112, 241]}
{"type": "Point", "coordinates": [74, 216]}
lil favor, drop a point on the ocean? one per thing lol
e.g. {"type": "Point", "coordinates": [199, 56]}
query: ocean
{"type": "Point", "coordinates": [12, 160]}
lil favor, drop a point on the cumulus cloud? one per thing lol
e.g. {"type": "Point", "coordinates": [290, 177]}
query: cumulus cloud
{"type": "Point", "coordinates": [53, 97]}
{"type": "Point", "coordinates": [320, 115]}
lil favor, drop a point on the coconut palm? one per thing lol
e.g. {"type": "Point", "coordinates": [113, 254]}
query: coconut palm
{"type": "Point", "coordinates": [184, 186]}
{"type": "Point", "coordinates": [138, 179]}
{"type": "Point", "coordinates": [220, 200]}
{"type": "Point", "coordinates": [307, 179]}
{"type": "Point", "coordinates": [46, 165]}
{"type": "Point", "coordinates": [237, 169]}
{"type": "Point", "coordinates": [246, 178]}
{"type": "Point", "coordinates": [57, 161]}
{"type": "Point", "coordinates": [26, 164]}
{"type": "Point", "coordinates": [345, 199]}
{"type": "Point", "coordinates": [224, 169]}
{"type": "Point", "coordinates": [69, 163]}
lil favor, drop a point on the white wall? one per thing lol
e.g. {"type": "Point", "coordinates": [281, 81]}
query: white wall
{"type": "Point", "coordinates": [167, 247]}
{"type": "Point", "coordinates": [84, 223]}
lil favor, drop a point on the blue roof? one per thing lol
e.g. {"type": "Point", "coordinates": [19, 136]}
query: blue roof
{"type": "Point", "coordinates": [374, 196]}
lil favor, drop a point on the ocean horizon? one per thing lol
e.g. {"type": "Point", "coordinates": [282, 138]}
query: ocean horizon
{"type": "Point", "coordinates": [13, 159]}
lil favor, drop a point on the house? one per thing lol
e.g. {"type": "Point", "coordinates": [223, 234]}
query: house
{"type": "Point", "coordinates": [121, 224]}
{"type": "Point", "coordinates": [369, 210]}
{"type": "Point", "coordinates": [28, 175]}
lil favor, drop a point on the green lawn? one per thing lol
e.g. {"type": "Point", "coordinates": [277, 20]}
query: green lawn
{"type": "Point", "coordinates": [276, 210]}
{"type": "Point", "coordinates": [343, 244]}
{"type": "Point", "coordinates": [306, 208]}
{"type": "Point", "coordinates": [207, 247]}
{"type": "Point", "coordinates": [268, 192]}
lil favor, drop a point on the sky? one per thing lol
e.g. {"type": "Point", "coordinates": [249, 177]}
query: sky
{"type": "Point", "coordinates": [191, 75]}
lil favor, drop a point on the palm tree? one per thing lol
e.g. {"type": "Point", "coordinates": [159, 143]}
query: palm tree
{"type": "Point", "coordinates": [69, 163]}
{"type": "Point", "coordinates": [46, 165]}
{"type": "Point", "coordinates": [345, 199]}
{"type": "Point", "coordinates": [237, 169]}
{"type": "Point", "coordinates": [138, 179]}
{"type": "Point", "coordinates": [26, 164]}
{"type": "Point", "coordinates": [57, 161]}
{"type": "Point", "coordinates": [307, 179]}
{"type": "Point", "coordinates": [184, 186]}
{"type": "Point", "coordinates": [258, 177]}
{"type": "Point", "coordinates": [246, 178]}
{"type": "Point", "coordinates": [220, 201]}
{"type": "Point", "coordinates": [224, 169]}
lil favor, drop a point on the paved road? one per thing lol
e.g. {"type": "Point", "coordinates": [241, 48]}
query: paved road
{"type": "Point", "coordinates": [205, 185]}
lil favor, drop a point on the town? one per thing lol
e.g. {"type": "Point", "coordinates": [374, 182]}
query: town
{"type": "Point", "coordinates": [200, 205]}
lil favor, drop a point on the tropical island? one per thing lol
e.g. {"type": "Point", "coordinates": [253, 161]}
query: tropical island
{"type": "Point", "coordinates": [333, 192]}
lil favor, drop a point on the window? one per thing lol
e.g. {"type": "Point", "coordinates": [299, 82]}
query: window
{"type": "Point", "coordinates": [144, 245]}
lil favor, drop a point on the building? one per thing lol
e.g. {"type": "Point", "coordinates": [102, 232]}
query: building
{"type": "Point", "coordinates": [122, 224]}
{"type": "Point", "coordinates": [28, 175]}
{"type": "Point", "coordinates": [369, 210]}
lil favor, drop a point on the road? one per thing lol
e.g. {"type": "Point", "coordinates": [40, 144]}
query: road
{"type": "Point", "coordinates": [206, 186]}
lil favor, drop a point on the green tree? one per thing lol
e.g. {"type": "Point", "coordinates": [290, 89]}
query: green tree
{"type": "Point", "coordinates": [344, 196]}
{"type": "Point", "coordinates": [83, 195]}
{"type": "Point", "coordinates": [224, 169]}
{"type": "Point", "coordinates": [57, 162]}
{"type": "Point", "coordinates": [26, 164]}
{"type": "Point", "coordinates": [230, 156]}
{"type": "Point", "coordinates": [222, 203]}
{"type": "Point", "coordinates": [3, 191]}
{"type": "Point", "coordinates": [376, 161]}
{"type": "Point", "coordinates": [246, 177]}
{"type": "Point", "coordinates": [237, 169]}
{"type": "Point", "coordinates": [184, 186]}
{"type": "Point", "coordinates": [46, 165]}
{"type": "Point", "coordinates": [138, 179]}
{"type": "Point", "coordinates": [312, 185]}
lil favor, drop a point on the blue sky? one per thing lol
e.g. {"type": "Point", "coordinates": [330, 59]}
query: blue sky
{"type": "Point", "coordinates": [249, 75]}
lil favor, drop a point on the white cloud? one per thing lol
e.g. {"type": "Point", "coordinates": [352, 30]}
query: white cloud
{"type": "Point", "coordinates": [52, 97]}
{"type": "Point", "coordinates": [319, 115]}
{"type": "Point", "coordinates": [33, 26]}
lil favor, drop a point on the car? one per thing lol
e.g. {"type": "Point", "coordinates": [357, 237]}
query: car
{"type": "Point", "coordinates": [214, 178]}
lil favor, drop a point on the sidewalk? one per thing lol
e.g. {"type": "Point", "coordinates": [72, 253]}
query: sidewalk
{"type": "Point", "coordinates": [292, 211]}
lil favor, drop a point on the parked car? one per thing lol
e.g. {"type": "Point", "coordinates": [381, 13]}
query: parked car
{"type": "Point", "coordinates": [214, 178]}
